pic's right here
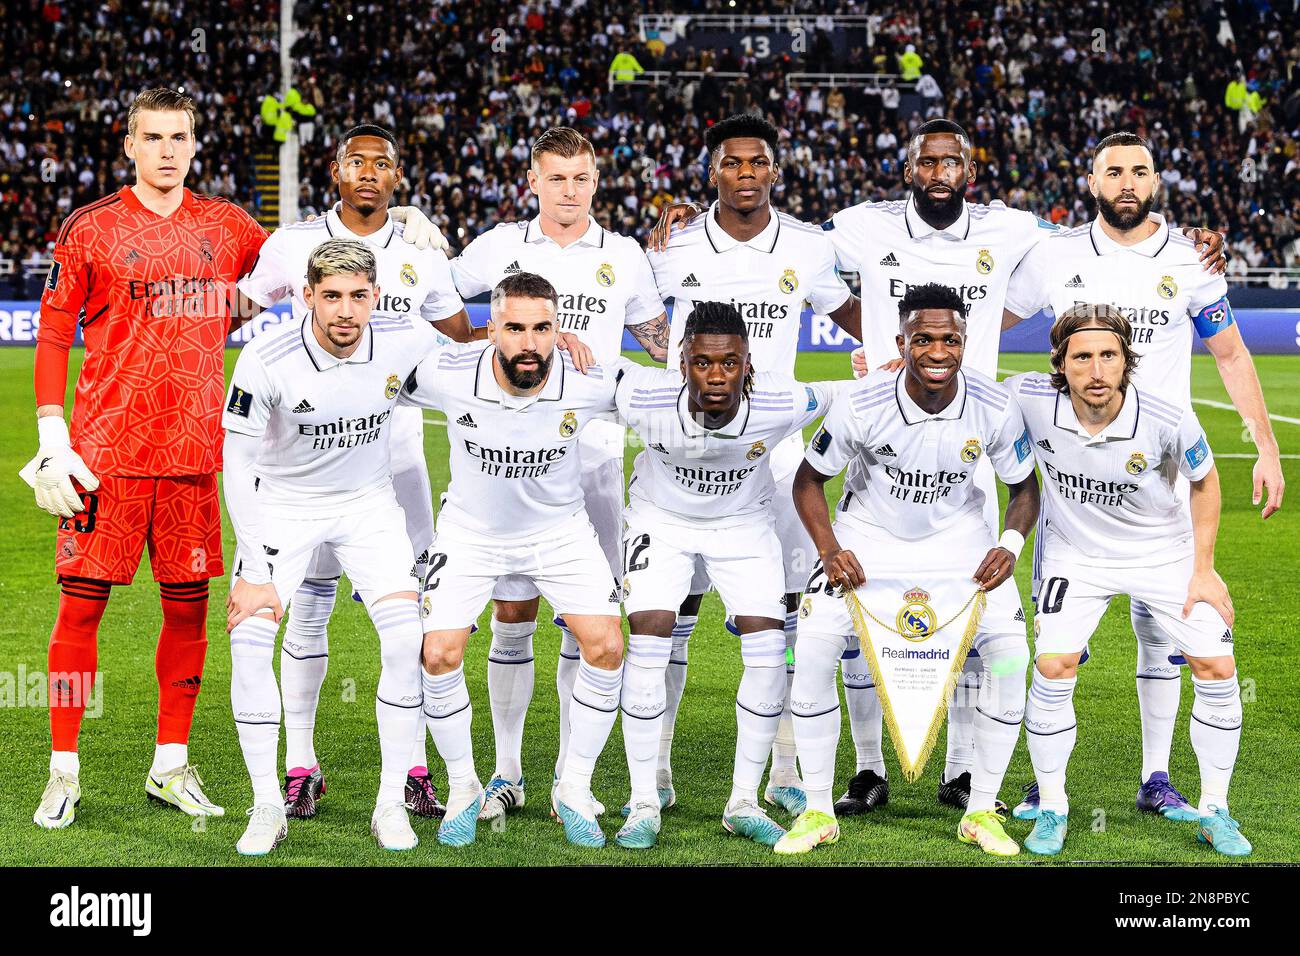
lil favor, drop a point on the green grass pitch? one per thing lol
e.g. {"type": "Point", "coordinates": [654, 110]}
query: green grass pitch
{"type": "Point", "coordinates": [116, 825]}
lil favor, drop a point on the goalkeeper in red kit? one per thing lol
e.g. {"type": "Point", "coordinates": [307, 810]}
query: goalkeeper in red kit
{"type": "Point", "coordinates": [151, 272]}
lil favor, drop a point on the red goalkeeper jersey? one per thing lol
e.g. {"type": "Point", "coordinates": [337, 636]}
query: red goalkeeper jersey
{"type": "Point", "coordinates": [156, 293]}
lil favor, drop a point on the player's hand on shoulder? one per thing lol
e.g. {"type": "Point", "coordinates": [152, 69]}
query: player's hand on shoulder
{"type": "Point", "coordinates": [583, 357]}
{"type": "Point", "coordinates": [998, 566]}
{"type": "Point", "coordinates": [247, 599]}
{"type": "Point", "coordinates": [843, 570]}
{"type": "Point", "coordinates": [678, 213]}
{"type": "Point", "coordinates": [420, 230]}
{"type": "Point", "coordinates": [1207, 586]}
{"type": "Point", "coordinates": [1209, 243]}
{"type": "Point", "coordinates": [51, 473]}
{"type": "Point", "coordinates": [859, 361]}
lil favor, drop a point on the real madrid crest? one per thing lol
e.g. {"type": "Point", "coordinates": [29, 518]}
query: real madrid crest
{"type": "Point", "coordinates": [605, 274]}
{"type": "Point", "coordinates": [569, 425]}
{"type": "Point", "coordinates": [408, 274]}
{"type": "Point", "coordinates": [627, 588]}
{"type": "Point", "coordinates": [916, 620]}
{"type": "Point", "coordinates": [426, 606]}
{"type": "Point", "coordinates": [806, 608]}
{"type": "Point", "coordinates": [392, 386]}
{"type": "Point", "coordinates": [1137, 463]}
{"type": "Point", "coordinates": [970, 451]}
{"type": "Point", "coordinates": [984, 262]}
{"type": "Point", "coordinates": [756, 450]}
{"type": "Point", "coordinates": [1167, 287]}
{"type": "Point", "coordinates": [789, 282]}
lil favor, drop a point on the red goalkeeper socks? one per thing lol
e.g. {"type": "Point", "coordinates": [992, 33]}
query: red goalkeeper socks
{"type": "Point", "coordinates": [182, 646]}
{"type": "Point", "coordinates": [74, 656]}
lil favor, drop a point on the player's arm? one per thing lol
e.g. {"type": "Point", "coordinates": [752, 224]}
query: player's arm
{"type": "Point", "coordinates": [253, 239]}
{"type": "Point", "coordinates": [51, 472]}
{"type": "Point", "coordinates": [830, 450]}
{"type": "Point", "coordinates": [458, 328]}
{"type": "Point", "coordinates": [674, 214]}
{"type": "Point", "coordinates": [645, 316]}
{"type": "Point", "coordinates": [1011, 454]}
{"type": "Point", "coordinates": [1241, 380]}
{"type": "Point", "coordinates": [1205, 584]}
{"type": "Point", "coordinates": [653, 336]}
{"type": "Point", "coordinates": [1209, 243]}
{"type": "Point", "coordinates": [248, 409]}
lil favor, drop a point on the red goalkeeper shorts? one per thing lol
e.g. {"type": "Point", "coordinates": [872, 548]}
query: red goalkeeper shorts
{"type": "Point", "coordinates": [178, 518]}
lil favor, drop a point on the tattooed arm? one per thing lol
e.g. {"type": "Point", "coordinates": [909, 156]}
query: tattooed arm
{"type": "Point", "coordinates": [653, 336]}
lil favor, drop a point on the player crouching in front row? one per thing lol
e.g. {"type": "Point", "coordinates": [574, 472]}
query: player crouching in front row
{"type": "Point", "coordinates": [1115, 525]}
{"type": "Point", "coordinates": [307, 464]}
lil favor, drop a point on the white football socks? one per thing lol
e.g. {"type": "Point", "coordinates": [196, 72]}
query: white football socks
{"type": "Point", "coordinates": [1050, 731]}
{"type": "Point", "coordinates": [785, 772]}
{"type": "Point", "coordinates": [1159, 686]}
{"type": "Point", "coordinates": [399, 695]}
{"type": "Point", "coordinates": [449, 713]}
{"type": "Point", "coordinates": [865, 720]}
{"type": "Point", "coordinates": [998, 713]}
{"type": "Point", "coordinates": [1216, 736]}
{"type": "Point", "coordinates": [255, 702]}
{"type": "Point", "coordinates": [566, 672]}
{"type": "Point", "coordinates": [960, 744]}
{"type": "Point", "coordinates": [644, 699]}
{"type": "Point", "coordinates": [675, 684]}
{"type": "Point", "coordinates": [592, 713]}
{"type": "Point", "coordinates": [816, 708]}
{"type": "Point", "coordinates": [304, 659]}
{"type": "Point", "coordinates": [510, 690]}
{"type": "Point", "coordinates": [760, 702]}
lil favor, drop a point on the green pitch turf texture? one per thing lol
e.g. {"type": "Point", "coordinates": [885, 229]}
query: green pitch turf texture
{"type": "Point", "coordinates": [116, 825]}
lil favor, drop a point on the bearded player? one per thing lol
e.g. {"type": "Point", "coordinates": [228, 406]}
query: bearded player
{"type": "Point", "coordinates": [153, 268]}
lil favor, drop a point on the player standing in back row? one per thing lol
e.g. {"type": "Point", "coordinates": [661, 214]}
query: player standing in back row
{"type": "Point", "coordinates": [153, 266]}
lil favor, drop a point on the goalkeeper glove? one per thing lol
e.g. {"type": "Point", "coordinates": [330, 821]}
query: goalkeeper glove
{"type": "Point", "coordinates": [51, 472]}
{"type": "Point", "coordinates": [420, 230]}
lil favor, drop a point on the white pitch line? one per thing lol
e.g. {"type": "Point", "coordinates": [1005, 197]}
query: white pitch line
{"type": "Point", "coordinates": [1204, 401]}
{"type": "Point", "coordinates": [1250, 457]}
{"type": "Point", "coordinates": [435, 421]}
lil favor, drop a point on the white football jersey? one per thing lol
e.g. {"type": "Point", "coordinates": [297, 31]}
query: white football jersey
{"type": "Point", "coordinates": [690, 475]}
{"type": "Point", "coordinates": [324, 421]}
{"type": "Point", "coordinates": [603, 279]}
{"type": "Point", "coordinates": [768, 279]}
{"type": "Point", "coordinates": [515, 467]}
{"type": "Point", "coordinates": [910, 473]}
{"type": "Point", "coordinates": [411, 282]}
{"type": "Point", "coordinates": [1157, 283]}
{"type": "Point", "coordinates": [892, 248]}
{"type": "Point", "coordinates": [1110, 497]}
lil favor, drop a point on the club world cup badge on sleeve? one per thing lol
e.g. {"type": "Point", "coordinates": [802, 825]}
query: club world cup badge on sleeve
{"type": "Point", "coordinates": [569, 425]}
{"type": "Point", "coordinates": [392, 387]}
{"type": "Point", "coordinates": [915, 620]}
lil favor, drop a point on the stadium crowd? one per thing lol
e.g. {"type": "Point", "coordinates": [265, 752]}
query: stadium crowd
{"type": "Point", "coordinates": [468, 84]}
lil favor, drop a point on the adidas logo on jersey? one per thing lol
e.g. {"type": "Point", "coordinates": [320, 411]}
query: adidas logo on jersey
{"type": "Point", "coordinates": [659, 447]}
{"type": "Point", "coordinates": [690, 282]}
{"type": "Point", "coordinates": [466, 421]}
{"type": "Point", "coordinates": [890, 260]}
{"type": "Point", "coordinates": [1045, 445]}
{"type": "Point", "coordinates": [513, 268]}
{"type": "Point", "coordinates": [303, 408]}
{"type": "Point", "coordinates": [885, 451]}
{"type": "Point", "coordinates": [1075, 283]}
{"type": "Point", "coordinates": [1019, 615]}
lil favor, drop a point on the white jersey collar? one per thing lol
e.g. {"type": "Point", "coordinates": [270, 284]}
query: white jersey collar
{"type": "Point", "coordinates": [486, 388]}
{"type": "Point", "coordinates": [914, 414]}
{"type": "Point", "coordinates": [765, 241]}
{"type": "Point", "coordinates": [693, 429]}
{"type": "Point", "coordinates": [1150, 246]}
{"type": "Point", "coordinates": [1123, 428]}
{"type": "Point", "coordinates": [334, 226]}
{"type": "Point", "coordinates": [594, 236]}
{"type": "Point", "coordinates": [918, 228]}
{"type": "Point", "coordinates": [323, 360]}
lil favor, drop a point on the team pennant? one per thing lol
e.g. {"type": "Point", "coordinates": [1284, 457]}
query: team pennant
{"type": "Point", "coordinates": [915, 634]}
